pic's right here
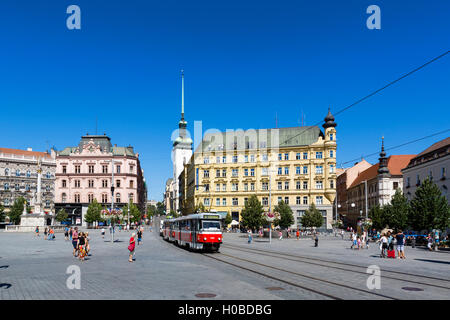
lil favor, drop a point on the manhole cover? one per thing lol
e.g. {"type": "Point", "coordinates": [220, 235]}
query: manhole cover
{"type": "Point", "coordinates": [274, 288]}
{"type": "Point", "coordinates": [412, 289]}
{"type": "Point", "coordinates": [205, 295]}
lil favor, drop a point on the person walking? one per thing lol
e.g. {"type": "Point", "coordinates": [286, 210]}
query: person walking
{"type": "Point", "coordinates": [298, 234]}
{"type": "Point", "coordinates": [87, 245]}
{"type": "Point", "coordinates": [70, 233]}
{"type": "Point", "coordinates": [249, 235]}
{"type": "Point", "coordinates": [139, 236]}
{"type": "Point", "coordinates": [66, 233]}
{"type": "Point", "coordinates": [132, 247]}
{"type": "Point", "coordinates": [316, 240]}
{"type": "Point", "coordinates": [430, 242]}
{"type": "Point", "coordinates": [413, 241]}
{"type": "Point", "coordinates": [51, 234]}
{"type": "Point", "coordinates": [383, 245]}
{"type": "Point", "coordinates": [342, 234]}
{"type": "Point", "coordinates": [37, 231]}
{"type": "Point", "coordinates": [81, 246]}
{"type": "Point", "coordinates": [354, 240]}
{"type": "Point", "coordinates": [280, 234]}
{"type": "Point", "coordinates": [103, 232]}
{"type": "Point", "coordinates": [45, 233]}
{"type": "Point", "coordinates": [75, 241]}
{"type": "Point", "coordinates": [400, 244]}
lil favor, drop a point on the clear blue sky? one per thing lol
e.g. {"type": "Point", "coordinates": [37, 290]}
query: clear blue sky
{"type": "Point", "coordinates": [244, 61]}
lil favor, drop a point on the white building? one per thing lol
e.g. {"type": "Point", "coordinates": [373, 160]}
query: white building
{"type": "Point", "coordinates": [434, 162]}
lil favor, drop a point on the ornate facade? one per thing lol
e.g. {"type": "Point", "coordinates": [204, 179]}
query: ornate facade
{"type": "Point", "coordinates": [84, 173]}
{"type": "Point", "coordinates": [18, 177]}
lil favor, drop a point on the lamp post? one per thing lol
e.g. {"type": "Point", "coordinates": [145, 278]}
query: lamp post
{"type": "Point", "coordinates": [112, 200]}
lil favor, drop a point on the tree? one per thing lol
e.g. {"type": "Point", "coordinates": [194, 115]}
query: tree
{"type": "Point", "coordinates": [199, 208]}
{"type": "Point", "coordinates": [151, 211]}
{"type": "Point", "coordinates": [2, 214]}
{"type": "Point", "coordinates": [135, 214]}
{"type": "Point", "coordinates": [286, 217]}
{"type": "Point", "coordinates": [61, 215]}
{"type": "Point", "coordinates": [94, 212]}
{"type": "Point", "coordinates": [429, 208]}
{"type": "Point", "coordinates": [227, 219]}
{"type": "Point", "coordinates": [252, 214]}
{"type": "Point", "coordinates": [173, 214]}
{"type": "Point", "coordinates": [160, 208]}
{"type": "Point", "coordinates": [16, 210]}
{"type": "Point", "coordinates": [377, 215]}
{"type": "Point", "coordinates": [396, 213]}
{"type": "Point", "coordinates": [312, 217]}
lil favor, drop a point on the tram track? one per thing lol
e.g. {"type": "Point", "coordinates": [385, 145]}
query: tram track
{"type": "Point", "coordinates": [339, 266]}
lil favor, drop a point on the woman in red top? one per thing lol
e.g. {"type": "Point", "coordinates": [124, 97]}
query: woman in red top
{"type": "Point", "coordinates": [132, 246]}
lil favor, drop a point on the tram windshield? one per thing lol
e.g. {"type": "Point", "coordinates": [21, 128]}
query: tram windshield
{"type": "Point", "coordinates": [215, 225]}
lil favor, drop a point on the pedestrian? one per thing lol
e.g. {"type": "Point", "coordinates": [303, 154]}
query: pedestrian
{"type": "Point", "coordinates": [298, 234]}
{"type": "Point", "coordinates": [354, 240]}
{"type": "Point", "coordinates": [45, 233]}
{"type": "Point", "coordinates": [132, 247]}
{"type": "Point", "coordinates": [316, 240]}
{"type": "Point", "coordinates": [430, 242]}
{"type": "Point", "coordinates": [383, 245]}
{"type": "Point", "coordinates": [400, 244]}
{"type": "Point", "coordinates": [75, 241]}
{"type": "Point", "coordinates": [51, 234]}
{"type": "Point", "coordinates": [103, 232]}
{"type": "Point", "coordinates": [249, 235]}
{"type": "Point", "coordinates": [139, 236]}
{"type": "Point", "coordinates": [37, 231]}
{"type": "Point", "coordinates": [390, 241]}
{"type": "Point", "coordinates": [66, 233]}
{"type": "Point", "coordinates": [70, 233]}
{"type": "Point", "coordinates": [358, 241]}
{"type": "Point", "coordinates": [87, 245]}
{"type": "Point", "coordinates": [413, 241]}
{"type": "Point", "coordinates": [81, 246]}
{"type": "Point", "coordinates": [342, 234]}
{"type": "Point", "coordinates": [280, 234]}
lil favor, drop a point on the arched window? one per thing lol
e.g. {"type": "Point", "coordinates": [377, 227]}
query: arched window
{"type": "Point", "coordinates": [28, 173]}
{"type": "Point", "coordinates": [6, 186]}
{"type": "Point", "coordinates": [63, 198]}
{"type": "Point", "coordinates": [6, 202]}
{"type": "Point", "coordinates": [131, 197]}
{"type": "Point", "coordinates": [18, 172]}
{"type": "Point", "coordinates": [104, 198]}
{"type": "Point", "coordinates": [90, 197]}
{"type": "Point", "coordinates": [77, 198]}
{"type": "Point", "coordinates": [47, 188]}
{"type": "Point", "coordinates": [118, 198]}
{"type": "Point", "coordinates": [48, 175]}
{"type": "Point", "coordinates": [6, 172]}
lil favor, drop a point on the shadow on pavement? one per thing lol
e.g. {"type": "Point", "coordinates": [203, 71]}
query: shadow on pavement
{"type": "Point", "coordinates": [6, 285]}
{"type": "Point", "coordinates": [4, 267]}
{"type": "Point", "coordinates": [433, 261]}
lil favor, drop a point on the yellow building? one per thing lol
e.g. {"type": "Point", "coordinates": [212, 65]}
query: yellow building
{"type": "Point", "coordinates": [296, 165]}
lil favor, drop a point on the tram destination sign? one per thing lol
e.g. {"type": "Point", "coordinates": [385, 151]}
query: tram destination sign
{"type": "Point", "coordinates": [211, 216]}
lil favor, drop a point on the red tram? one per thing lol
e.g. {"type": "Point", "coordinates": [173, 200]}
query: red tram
{"type": "Point", "coordinates": [200, 231]}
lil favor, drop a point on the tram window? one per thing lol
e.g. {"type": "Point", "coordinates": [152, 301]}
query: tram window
{"type": "Point", "coordinates": [211, 224]}
{"type": "Point", "coordinates": [188, 225]}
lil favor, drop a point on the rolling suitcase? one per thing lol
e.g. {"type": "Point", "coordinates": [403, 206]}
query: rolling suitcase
{"type": "Point", "coordinates": [391, 254]}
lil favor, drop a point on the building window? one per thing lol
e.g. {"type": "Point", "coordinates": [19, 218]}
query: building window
{"type": "Point", "coordinates": [286, 185]}
{"type": "Point", "coordinates": [63, 198]}
{"type": "Point", "coordinates": [131, 197]}
{"type": "Point", "coordinates": [264, 171]}
{"type": "Point", "coordinates": [205, 173]}
{"type": "Point", "coordinates": [319, 155]}
{"type": "Point", "coordinates": [245, 186]}
{"type": "Point", "coordinates": [77, 198]}
{"type": "Point", "coordinates": [297, 185]}
{"type": "Point", "coordinates": [47, 203]}
{"type": "Point", "coordinates": [104, 183]}
{"type": "Point", "coordinates": [28, 174]}
{"type": "Point", "coordinates": [265, 157]}
{"type": "Point", "coordinates": [331, 153]}
{"type": "Point", "coordinates": [305, 170]}
{"type": "Point", "coordinates": [218, 187]}
{"type": "Point", "coordinates": [298, 170]}
{"type": "Point", "coordinates": [395, 185]}
{"type": "Point", "coordinates": [218, 173]}
{"type": "Point", "coordinates": [305, 185]}
{"type": "Point", "coordinates": [286, 200]}
{"type": "Point", "coordinates": [298, 200]}
{"type": "Point", "coordinates": [27, 187]}
{"type": "Point", "coordinates": [286, 156]}
{"type": "Point", "coordinates": [224, 187]}
{"type": "Point", "coordinates": [418, 181]}
{"type": "Point", "coordinates": [280, 157]}
{"type": "Point", "coordinates": [234, 172]}
{"type": "Point", "coordinates": [104, 198]}
{"type": "Point", "coordinates": [90, 183]}
{"type": "Point", "coordinates": [217, 201]}
{"type": "Point", "coordinates": [235, 201]}
{"type": "Point", "coordinates": [252, 186]}
{"type": "Point", "coordinates": [252, 158]}
{"type": "Point", "coordinates": [6, 202]}
{"type": "Point", "coordinates": [91, 169]}
{"type": "Point", "coordinates": [235, 159]}
{"type": "Point", "coordinates": [331, 136]}
{"type": "Point", "coordinates": [132, 184]}
{"type": "Point", "coordinates": [332, 168]}
{"type": "Point", "coordinates": [206, 160]}
{"type": "Point", "coordinates": [217, 159]}
{"type": "Point", "coordinates": [298, 156]}
{"type": "Point", "coordinates": [64, 183]}
{"type": "Point", "coordinates": [319, 200]}
{"type": "Point", "coordinates": [286, 170]}
{"type": "Point", "coordinates": [246, 172]}
{"type": "Point", "coordinates": [252, 172]}
{"type": "Point", "coordinates": [332, 184]}
{"type": "Point", "coordinates": [265, 201]}
{"type": "Point", "coordinates": [443, 173]}
{"type": "Point", "coordinates": [18, 173]}
{"type": "Point", "coordinates": [319, 169]}
{"type": "Point", "coordinates": [90, 198]}
{"type": "Point", "coordinates": [224, 173]}
{"type": "Point", "coordinates": [118, 200]}
{"type": "Point", "coordinates": [118, 183]}
{"type": "Point", "coordinates": [234, 187]}
{"type": "Point", "coordinates": [305, 155]}
{"type": "Point", "coordinates": [280, 186]}
{"type": "Point", "coordinates": [224, 201]}
{"type": "Point", "coordinates": [206, 202]}
{"type": "Point", "coordinates": [319, 185]}
{"type": "Point", "coordinates": [77, 169]}
{"type": "Point", "coordinates": [224, 159]}
{"type": "Point", "coordinates": [17, 187]}
{"type": "Point", "coordinates": [280, 199]}
{"type": "Point", "coordinates": [265, 186]}
{"type": "Point", "coordinates": [280, 170]}
{"type": "Point", "coordinates": [77, 183]}
{"type": "Point", "coordinates": [47, 188]}
{"type": "Point", "coordinates": [118, 169]}
{"type": "Point", "coordinates": [105, 169]}
{"type": "Point", "coordinates": [246, 158]}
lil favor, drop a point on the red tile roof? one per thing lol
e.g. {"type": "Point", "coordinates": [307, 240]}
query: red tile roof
{"type": "Point", "coordinates": [395, 164]}
{"type": "Point", "coordinates": [25, 153]}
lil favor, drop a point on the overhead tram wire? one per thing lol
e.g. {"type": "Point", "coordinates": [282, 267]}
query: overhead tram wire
{"type": "Point", "coordinates": [375, 92]}
{"type": "Point", "coordinates": [397, 146]}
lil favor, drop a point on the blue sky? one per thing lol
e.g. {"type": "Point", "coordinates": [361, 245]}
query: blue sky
{"type": "Point", "coordinates": [244, 62]}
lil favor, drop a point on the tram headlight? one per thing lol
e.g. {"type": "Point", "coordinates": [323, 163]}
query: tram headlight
{"type": "Point", "coordinates": [204, 239]}
{"type": "Point", "coordinates": [218, 238]}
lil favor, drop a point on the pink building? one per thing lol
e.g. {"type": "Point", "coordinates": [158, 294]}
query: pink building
{"type": "Point", "coordinates": [84, 173]}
